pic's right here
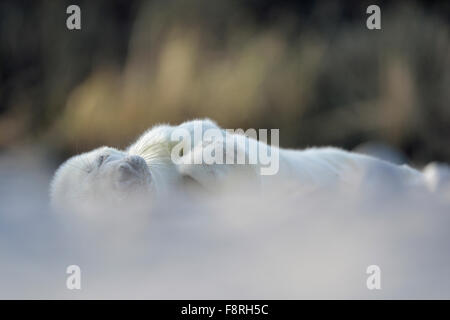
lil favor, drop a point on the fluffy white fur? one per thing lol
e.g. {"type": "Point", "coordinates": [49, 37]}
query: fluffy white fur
{"type": "Point", "coordinates": [299, 170]}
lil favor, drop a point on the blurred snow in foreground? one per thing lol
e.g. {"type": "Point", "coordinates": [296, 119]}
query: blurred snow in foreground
{"type": "Point", "coordinates": [233, 246]}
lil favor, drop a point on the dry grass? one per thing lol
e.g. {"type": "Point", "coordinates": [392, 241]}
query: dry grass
{"type": "Point", "coordinates": [320, 83]}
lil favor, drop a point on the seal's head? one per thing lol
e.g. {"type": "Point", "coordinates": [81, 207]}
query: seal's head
{"type": "Point", "coordinates": [104, 175]}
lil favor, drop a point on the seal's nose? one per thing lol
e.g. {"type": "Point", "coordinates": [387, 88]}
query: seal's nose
{"type": "Point", "coordinates": [127, 171]}
{"type": "Point", "coordinates": [133, 169]}
{"type": "Point", "coordinates": [136, 162]}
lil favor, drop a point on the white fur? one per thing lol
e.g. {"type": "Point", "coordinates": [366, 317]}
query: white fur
{"type": "Point", "coordinates": [299, 170]}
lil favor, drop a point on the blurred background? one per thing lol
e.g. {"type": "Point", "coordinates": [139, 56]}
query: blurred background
{"type": "Point", "coordinates": [311, 69]}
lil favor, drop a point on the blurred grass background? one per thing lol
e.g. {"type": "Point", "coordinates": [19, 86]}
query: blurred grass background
{"type": "Point", "coordinates": [311, 69]}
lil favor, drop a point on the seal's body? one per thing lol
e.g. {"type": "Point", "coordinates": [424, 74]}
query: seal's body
{"type": "Point", "coordinates": [155, 164]}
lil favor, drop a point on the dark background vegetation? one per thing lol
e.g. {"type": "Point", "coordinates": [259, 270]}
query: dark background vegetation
{"type": "Point", "coordinates": [311, 69]}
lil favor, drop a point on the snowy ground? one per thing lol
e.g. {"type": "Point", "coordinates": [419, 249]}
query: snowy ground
{"type": "Point", "coordinates": [223, 247]}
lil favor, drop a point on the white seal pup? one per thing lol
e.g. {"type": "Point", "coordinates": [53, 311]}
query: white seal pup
{"type": "Point", "coordinates": [158, 162]}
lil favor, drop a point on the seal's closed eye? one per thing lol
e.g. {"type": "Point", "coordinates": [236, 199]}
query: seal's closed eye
{"type": "Point", "coordinates": [101, 159]}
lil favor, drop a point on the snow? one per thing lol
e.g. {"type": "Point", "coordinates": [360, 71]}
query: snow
{"type": "Point", "coordinates": [231, 246]}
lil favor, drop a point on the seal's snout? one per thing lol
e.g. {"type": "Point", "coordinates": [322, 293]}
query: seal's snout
{"type": "Point", "coordinates": [136, 162]}
{"type": "Point", "coordinates": [127, 172]}
{"type": "Point", "coordinates": [133, 169]}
